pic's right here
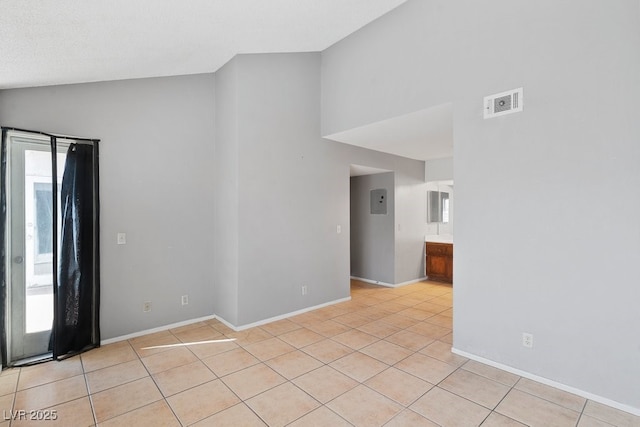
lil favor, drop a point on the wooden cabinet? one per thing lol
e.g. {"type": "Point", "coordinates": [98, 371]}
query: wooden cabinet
{"type": "Point", "coordinates": [439, 261]}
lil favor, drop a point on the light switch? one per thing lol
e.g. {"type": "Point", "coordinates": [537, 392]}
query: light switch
{"type": "Point", "coordinates": [122, 238]}
{"type": "Point", "coordinates": [338, 229]}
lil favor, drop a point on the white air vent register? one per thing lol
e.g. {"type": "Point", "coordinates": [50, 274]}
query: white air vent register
{"type": "Point", "coordinates": [503, 103]}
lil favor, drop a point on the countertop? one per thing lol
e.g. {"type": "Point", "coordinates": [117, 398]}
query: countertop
{"type": "Point", "coordinates": [439, 238]}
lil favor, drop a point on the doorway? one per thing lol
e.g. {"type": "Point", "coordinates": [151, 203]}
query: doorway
{"type": "Point", "coordinates": [48, 225]}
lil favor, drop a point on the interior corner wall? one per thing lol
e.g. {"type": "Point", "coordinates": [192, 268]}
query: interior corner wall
{"type": "Point", "coordinates": [372, 235]}
{"type": "Point", "coordinates": [225, 218]}
{"type": "Point", "coordinates": [155, 185]}
{"type": "Point", "coordinates": [560, 178]}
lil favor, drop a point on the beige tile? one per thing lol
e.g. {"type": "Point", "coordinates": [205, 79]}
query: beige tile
{"type": "Point", "coordinates": [325, 383]}
{"type": "Point", "coordinates": [378, 329]}
{"type": "Point", "coordinates": [476, 388]}
{"type": "Point", "coordinates": [425, 367]}
{"type": "Point", "coordinates": [168, 359]}
{"type": "Point", "coordinates": [237, 415]}
{"type": "Point", "coordinates": [293, 364]}
{"type": "Point", "coordinates": [355, 339]}
{"type": "Point", "coordinates": [268, 349]}
{"type": "Point", "coordinates": [352, 320]}
{"type": "Point", "coordinates": [409, 418]}
{"type": "Point", "coordinates": [447, 338]}
{"type": "Point", "coordinates": [533, 411]}
{"type": "Point", "coordinates": [282, 404]}
{"type": "Point", "coordinates": [230, 361]}
{"type": "Point", "coordinates": [8, 383]}
{"type": "Point", "coordinates": [74, 413]}
{"type": "Point", "coordinates": [328, 328]}
{"type": "Point", "coordinates": [202, 401]}
{"type": "Point", "coordinates": [108, 355]}
{"type": "Point", "coordinates": [442, 351]}
{"type": "Point", "coordinates": [587, 421]}
{"type": "Point", "coordinates": [204, 333]}
{"type": "Point", "coordinates": [442, 321]}
{"type": "Point", "coordinates": [6, 403]}
{"type": "Point", "coordinates": [559, 397]}
{"type": "Point", "coordinates": [362, 406]}
{"type": "Point", "coordinates": [447, 409]}
{"type": "Point", "coordinates": [327, 350]}
{"type": "Point", "coordinates": [48, 372]}
{"type": "Point", "coordinates": [321, 417]}
{"type": "Point", "coordinates": [51, 394]}
{"type": "Point", "coordinates": [250, 336]}
{"type": "Point", "coordinates": [429, 330]}
{"type": "Point", "coordinates": [253, 380]}
{"type": "Point", "coordinates": [386, 352]}
{"type": "Point", "coordinates": [359, 366]}
{"type": "Point", "coordinates": [155, 414]}
{"type": "Point", "coordinates": [127, 397]}
{"type": "Point", "coordinates": [399, 386]}
{"type": "Point", "coordinates": [301, 337]}
{"type": "Point", "coordinates": [158, 342]}
{"type": "Point", "coordinates": [112, 376]}
{"type": "Point", "coordinates": [410, 340]}
{"type": "Point", "coordinates": [408, 301]}
{"type": "Point", "coordinates": [399, 321]}
{"type": "Point", "coordinates": [180, 378]}
{"type": "Point", "coordinates": [280, 327]}
{"type": "Point", "coordinates": [415, 313]}
{"type": "Point", "coordinates": [432, 308]}
{"type": "Point", "coordinates": [610, 415]}
{"type": "Point", "coordinates": [497, 420]}
{"type": "Point", "coordinates": [492, 373]}
{"type": "Point", "coordinates": [202, 351]}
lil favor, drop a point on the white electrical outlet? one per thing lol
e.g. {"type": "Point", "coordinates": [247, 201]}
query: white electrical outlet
{"type": "Point", "coordinates": [185, 299]}
{"type": "Point", "coordinates": [305, 289]}
{"type": "Point", "coordinates": [527, 340]}
{"type": "Point", "coordinates": [146, 306]}
{"type": "Point", "coordinates": [122, 238]}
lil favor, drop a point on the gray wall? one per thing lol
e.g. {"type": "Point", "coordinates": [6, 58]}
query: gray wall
{"type": "Point", "coordinates": [155, 185]}
{"type": "Point", "coordinates": [372, 235]}
{"type": "Point", "coordinates": [560, 178]}
{"type": "Point", "coordinates": [225, 191]}
{"type": "Point", "coordinates": [292, 188]}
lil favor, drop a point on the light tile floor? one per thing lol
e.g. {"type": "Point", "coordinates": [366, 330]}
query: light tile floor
{"type": "Point", "coordinates": [382, 358]}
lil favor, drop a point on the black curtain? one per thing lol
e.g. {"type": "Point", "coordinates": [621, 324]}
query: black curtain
{"type": "Point", "coordinates": [76, 293]}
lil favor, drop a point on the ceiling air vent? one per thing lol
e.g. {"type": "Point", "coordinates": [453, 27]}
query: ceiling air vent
{"type": "Point", "coordinates": [503, 103]}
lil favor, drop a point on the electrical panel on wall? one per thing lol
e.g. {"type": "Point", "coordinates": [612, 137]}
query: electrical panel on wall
{"type": "Point", "coordinates": [503, 103]}
{"type": "Point", "coordinates": [379, 201]}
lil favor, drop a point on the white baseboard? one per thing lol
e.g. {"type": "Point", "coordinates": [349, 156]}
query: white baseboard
{"type": "Point", "coordinates": [282, 316]}
{"type": "Point", "coordinates": [564, 387]}
{"type": "Point", "coordinates": [235, 328]}
{"type": "Point", "coordinates": [388, 285]}
{"type": "Point", "coordinates": [154, 330]}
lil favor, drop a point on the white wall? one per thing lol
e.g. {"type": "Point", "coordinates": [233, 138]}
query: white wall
{"type": "Point", "coordinates": [156, 177]}
{"type": "Point", "coordinates": [563, 173]}
{"type": "Point", "coordinates": [372, 235]}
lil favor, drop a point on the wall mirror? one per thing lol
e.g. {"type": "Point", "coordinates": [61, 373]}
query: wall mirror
{"type": "Point", "coordinates": [438, 206]}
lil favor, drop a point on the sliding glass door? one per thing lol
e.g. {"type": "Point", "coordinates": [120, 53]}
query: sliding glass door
{"type": "Point", "coordinates": [31, 236]}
